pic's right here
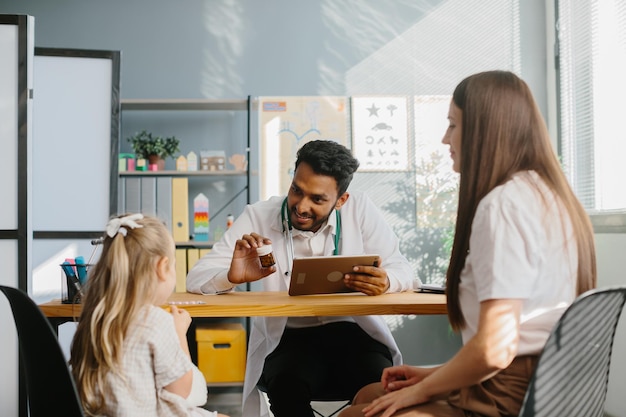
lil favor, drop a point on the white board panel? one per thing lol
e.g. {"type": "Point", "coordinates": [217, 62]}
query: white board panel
{"type": "Point", "coordinates": [8, 125]}
{"type": "Point", "coordinates": [71, 143]}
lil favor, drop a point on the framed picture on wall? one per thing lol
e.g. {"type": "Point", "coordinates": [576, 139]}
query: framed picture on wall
{"type": "Point", "coordinates": [380, 133]}
{"type": "Point", "coordinates": [287, 123]}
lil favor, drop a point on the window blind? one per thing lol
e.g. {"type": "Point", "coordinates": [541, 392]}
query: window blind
{"type": "Point", "coordinates": [591, 63]}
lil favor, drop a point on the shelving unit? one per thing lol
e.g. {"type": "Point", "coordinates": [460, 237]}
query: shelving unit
{"type": "Point", "coordinates": [169, 173]}
{"type": "Point", "coordinates": [172, 110]}
{"type": "Point", "coordinates": [185, 119]}
{"type": "Point", "coordinates": [184, 104]}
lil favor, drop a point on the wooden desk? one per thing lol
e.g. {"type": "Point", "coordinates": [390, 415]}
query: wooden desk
{"type": "Point", "coordinates": [248, 304]}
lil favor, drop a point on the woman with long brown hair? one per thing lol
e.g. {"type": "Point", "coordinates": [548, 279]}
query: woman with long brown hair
{"type": "Point", "coordinates": [523, 250]}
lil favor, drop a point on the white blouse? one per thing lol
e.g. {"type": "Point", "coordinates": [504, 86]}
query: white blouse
{"type": "Point", "coordinates": [521, 247]}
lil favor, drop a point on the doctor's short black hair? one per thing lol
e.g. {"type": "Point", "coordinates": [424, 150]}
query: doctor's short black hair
{"type": "Point", "coordinates": [329, 158]}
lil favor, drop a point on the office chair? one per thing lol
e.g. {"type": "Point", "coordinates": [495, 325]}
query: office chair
{"type": "Point", "coordinates": [50, 387]}
{"type": "Point", "coordinates": [572, 374]}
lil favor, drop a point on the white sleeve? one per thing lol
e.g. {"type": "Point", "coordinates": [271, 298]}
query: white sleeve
{"type": "Point", "coordinates": [198, 395]}
{"type": "Point", "coordinates": [504, 244]}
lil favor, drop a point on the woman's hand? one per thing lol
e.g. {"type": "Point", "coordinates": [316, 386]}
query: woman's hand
{"type": "Point", "coordinates": [390, 403]}
{"type": "Point", "coordinates": [398, 377]}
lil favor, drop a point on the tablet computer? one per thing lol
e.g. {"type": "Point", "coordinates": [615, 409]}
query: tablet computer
{"type": "Point", "coordinates": [437, 289]}
{"type": "Point", "coordinates": [324, 274]}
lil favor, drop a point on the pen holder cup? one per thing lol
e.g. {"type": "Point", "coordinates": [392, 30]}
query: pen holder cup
{"type": "Point", "coordinates": [71, 284]}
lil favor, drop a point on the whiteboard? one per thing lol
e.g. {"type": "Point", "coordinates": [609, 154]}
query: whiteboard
{"type": "Point", "coordinates": [74, 111]}
{"type": "Point", "coordinates": [8, 125]}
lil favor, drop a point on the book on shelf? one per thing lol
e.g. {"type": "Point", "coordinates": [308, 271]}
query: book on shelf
{"type": "Point", "coordinates": [193, 255]}
{"type": "Point", "coordinates": [180, 209]}
{"type": "Point", "coordinates": [164, 200]}
{"type": "Point", "coordinates": [132, 195]}
{"type": "Point", "coordinates": [181, 270]}
{"type": "Point", "coordinates": [148, 196]}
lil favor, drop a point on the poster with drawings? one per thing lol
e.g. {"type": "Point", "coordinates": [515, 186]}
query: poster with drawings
{"type": "Point", "coordinates": [286, 123]}
{"type": "Point", "coordinates": [380, 133]}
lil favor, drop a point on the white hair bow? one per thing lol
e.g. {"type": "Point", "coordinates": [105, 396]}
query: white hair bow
{"type": "Point", "coordinates": [120, 224]}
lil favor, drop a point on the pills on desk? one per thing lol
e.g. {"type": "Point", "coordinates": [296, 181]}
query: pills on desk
{"type": "Point", "coordinates": [266, 256]}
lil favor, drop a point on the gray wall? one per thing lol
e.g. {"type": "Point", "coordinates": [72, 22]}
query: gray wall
{"type": "Point", "coordinates": [611, 267]}
{"type": "Point", "coordinates": [236, 48]}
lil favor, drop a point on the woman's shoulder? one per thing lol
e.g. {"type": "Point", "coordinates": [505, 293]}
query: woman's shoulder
{"type": "Point", "coordinates": [523, 187]}
{"type": "Point", "coordinates": [525, 196]}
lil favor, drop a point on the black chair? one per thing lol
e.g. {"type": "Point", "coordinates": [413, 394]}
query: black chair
{"type": "Point", "coordinates": [50, 387]}
{"type": "Point", "coordinates": [572, 374]}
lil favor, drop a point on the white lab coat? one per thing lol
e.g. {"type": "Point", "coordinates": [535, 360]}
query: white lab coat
{"type": "Point", "coordinates": [363, 230]}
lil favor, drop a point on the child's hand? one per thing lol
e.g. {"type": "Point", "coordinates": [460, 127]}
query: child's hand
{"type": "Point", "coordinates": [182, 320]}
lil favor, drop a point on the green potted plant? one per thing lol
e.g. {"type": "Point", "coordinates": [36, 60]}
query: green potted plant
{"type": "Point", "coordinates": [153, 148]}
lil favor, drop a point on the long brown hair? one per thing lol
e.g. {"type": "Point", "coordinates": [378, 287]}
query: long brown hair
{"type": "Point", "coordinates": [120, 284]}
{"type": "Point", "coordinates": [503, 133]}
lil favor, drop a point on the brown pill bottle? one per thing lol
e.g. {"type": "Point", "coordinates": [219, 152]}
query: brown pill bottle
{"type": "Point", "coordinates": [266, 256]}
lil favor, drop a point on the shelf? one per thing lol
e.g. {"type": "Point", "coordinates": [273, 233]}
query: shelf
{"type": "Point", "coordinates": [190, 244]}
{"type": "Point", "coordinates": [200, 173]}
{"type": "Point", "coordinates": [183, 104]}
{"type": "Point", "coordinates": [224, 384]}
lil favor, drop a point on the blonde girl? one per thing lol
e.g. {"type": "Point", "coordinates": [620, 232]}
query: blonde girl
{"type": "Point", "coordinates": [129, 356]}
{"type": "Point", "coordinates": [523, 250]}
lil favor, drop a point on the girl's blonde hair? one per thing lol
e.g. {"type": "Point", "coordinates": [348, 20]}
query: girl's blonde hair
{"type": "Point", "coordinates": [119, 285]}
{"type": "Point", "coordinates": [503, 133]}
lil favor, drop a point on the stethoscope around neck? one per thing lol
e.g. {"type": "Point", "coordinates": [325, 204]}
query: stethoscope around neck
{"type": "Point", "coordinates": [288, 232]}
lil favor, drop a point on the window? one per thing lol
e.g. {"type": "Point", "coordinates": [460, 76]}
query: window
{"type": "Point", "coordinates": [591, 68]}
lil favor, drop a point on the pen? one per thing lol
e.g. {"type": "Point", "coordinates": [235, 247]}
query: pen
{"type": "Point", "coordinates": [81, 269]}
{"type": "Point", "coordinates": [67, 268]}
{"type": "Point", "coordinates": [72, 265]}
{"type": "Point", "coordinates": [71, 279]}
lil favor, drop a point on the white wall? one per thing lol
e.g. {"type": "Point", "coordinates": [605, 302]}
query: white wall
{"type": "Point", "coordinates": [612, 271]}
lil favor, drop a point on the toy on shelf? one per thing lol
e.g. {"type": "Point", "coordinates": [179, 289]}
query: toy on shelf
{"type": "Point", "coordinates": [201, 218]}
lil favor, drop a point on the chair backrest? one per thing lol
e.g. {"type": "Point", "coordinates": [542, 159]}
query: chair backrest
{"type": "Point", "coordinates": [51, 390]}
{"type": "Point", "coordinates": [572, 374]}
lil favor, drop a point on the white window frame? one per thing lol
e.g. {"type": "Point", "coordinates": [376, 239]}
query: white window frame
{"type": "Point", "coordinates": [603, 220]}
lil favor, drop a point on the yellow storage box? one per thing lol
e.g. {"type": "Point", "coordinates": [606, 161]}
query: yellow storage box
{"type": "Point", "coordinates": [222, 352]}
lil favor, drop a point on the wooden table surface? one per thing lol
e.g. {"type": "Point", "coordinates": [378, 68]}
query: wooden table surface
{"type": "Point", "coordinates": [248, 304]}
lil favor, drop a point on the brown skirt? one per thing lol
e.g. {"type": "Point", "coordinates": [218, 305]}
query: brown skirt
{"type": "Point", "coordinates": [499, 396]}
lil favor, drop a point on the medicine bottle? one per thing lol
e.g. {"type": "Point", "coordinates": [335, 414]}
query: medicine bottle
{"type": "Point", "coordinates": [266, 256]}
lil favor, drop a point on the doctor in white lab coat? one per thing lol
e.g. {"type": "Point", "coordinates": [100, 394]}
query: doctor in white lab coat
{"type": "Point", "coordinates": [318, 217]}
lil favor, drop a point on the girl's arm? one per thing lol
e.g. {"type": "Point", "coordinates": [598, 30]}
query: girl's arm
{"type": "Point", "coordinates": [492, 349]}
{"type": "Point", "coordinates": [182, 320]}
